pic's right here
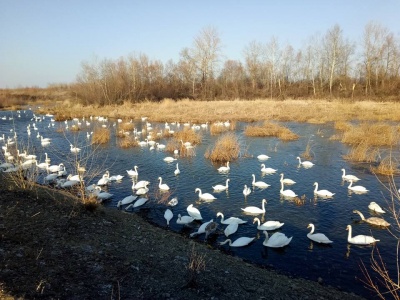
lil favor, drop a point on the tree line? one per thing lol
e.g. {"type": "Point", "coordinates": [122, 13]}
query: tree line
{"type": "Point", "coordinates": [328, 66]}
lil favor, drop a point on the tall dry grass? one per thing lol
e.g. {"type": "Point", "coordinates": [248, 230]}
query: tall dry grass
{"type": "Point", "coordinates": [101, 135]}
{"type": "Point", "coordinates": [362, 153]}
{"type": "Point", "coordinates": [226, 148]}
{"type": "Point", "coordinates": [271, 129]}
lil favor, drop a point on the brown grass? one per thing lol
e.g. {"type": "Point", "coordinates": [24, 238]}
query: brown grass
{"type": "Point", "coordinates": [74, 127]}
{"type": "Point", "coordinates": [362, 153]}
{"type": "Point", "coordinates": [127, 126]}
{"type": "Point", "coordinates": [128, 142]}
{"type": "Point", "coordinates": [307, 154]}
{"type": "Point", "coordinates": [271, 129]}
{"type": "Point", "coordinates": [188, 135]}
{"type": "Point", "coordinates": [226, 148]}
{"type": "Point", "coordinates": [386, 167]}
{"type": "Point", "coordinates": [101, 135]}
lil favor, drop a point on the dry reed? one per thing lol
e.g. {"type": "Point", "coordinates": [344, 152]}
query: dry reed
{"type": "Point", "coordinates": [271, 129]}
{"type": "Point", "coordinates": [101, 136]}
{"type": "Point", "coordinates": [385, 167]}
{"type": "Point", "coordinates": [128, 142]}
{"type": "Point", "coordinates": [127, 126]}
{"type": "Point", "coordinates": [226, 148]}
{"type": "Point", "coordinates": [362, 153]}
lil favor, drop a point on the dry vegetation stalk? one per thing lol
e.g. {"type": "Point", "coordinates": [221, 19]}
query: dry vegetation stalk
{"type": "Point", "coordinates": [101, 135]}
{"type": "Point", "coordinates": [128, 142]}
{"type": "Point", "coordinates": [271, 129]}
{"type": "Point", "coordinates": [226, 148]}
{"type": "Point", "coordinates": [362, 153]}
{"type": "Point", "coordinates": [386, 167]}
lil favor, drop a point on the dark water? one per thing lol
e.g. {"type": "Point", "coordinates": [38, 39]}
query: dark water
{"type": "Point", "coordinates": [337, 264]}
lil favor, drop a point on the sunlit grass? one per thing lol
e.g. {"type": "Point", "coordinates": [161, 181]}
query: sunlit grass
{"type": "Point", "coordinates": [101, 136]}
{"type": "Point", "coordinates": [271, 129]}
{"type": "Point", "coordinates": [226, 148]}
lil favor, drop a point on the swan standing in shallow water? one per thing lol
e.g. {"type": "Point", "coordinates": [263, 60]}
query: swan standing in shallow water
{"type": "Point", "coordinates": [254, 209]}
{"type": "Point", "coordinates": [267, 170]}
{"type": "Point", "coordinates": [287, 193]}
{"type": "Point", "coordinates": [220, 187]}
{"type": "Point", "coordinates": [205, 196]}
{"type": "Point", "coordinates": [168, 215]}
{"type": "Point", "coordinates": [357, 188]}
{"type": "Point", "coordinates": [360, 239]}
{"type": "Point", "coordinates": [372, 220]}
{"type": "Point", "coordinates": [287, 180]}
{"type": "Point", "coordinates": [306, 163]}
{"type": "Point", "coordinates": [375, 207]}
{"type": "Point", "coordinates": [240, 242]}
{"type": "Point", "coordinates": [269, 225]}
{"type": "Point", "coordinates": [162, 186]}
{"type": "Point", "coordinates": [230, 220]}
{"type": "Point", "coordinates": [260, 184]}
{"type": "Point", "coordinates": [224, 169]}
{"type": "Point", "coordinates": [246, 191]}
{"type": "Point", "coordinates": [277, 240]}
{"type": "Point", "coordinates": [349, 177]}
{"type": "Point", "coordinates": [322, 193]}
{"type": "Point", "coordinates": [194, 212]}
{"type": "Point", "coordinates": [317, 237]}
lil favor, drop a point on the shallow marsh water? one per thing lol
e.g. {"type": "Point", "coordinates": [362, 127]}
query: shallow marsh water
{"type": "Point", "coordinates": [337, 264]}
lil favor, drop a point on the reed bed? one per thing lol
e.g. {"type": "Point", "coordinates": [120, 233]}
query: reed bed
{"type": "Point", "coordinates": [239, 110]}
{"type": "Point", "coordinates": [188, 135]}
{"type": "Point", "coordinates": [386, 167]}
{"type": "Point", "coordinates": [220, 127]}
{"type": "Point", "coordinates": [127, 126]}
{"type": "Point", "coordinates": [226, 148]}
{"type": "Point", "coordinates": [101, 136]}
{"type": "Point", "coordinates": [128, 142]}
{"type": "Point", "coordinates": [362, 153]}
{"type": "Point", "coordinates": [271, 129]}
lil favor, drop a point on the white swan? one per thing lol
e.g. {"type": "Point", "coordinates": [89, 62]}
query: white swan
{"type": "Point", "coordinates": [360, 239]}
{"type": "Point", "coordinates": [317, 237]}
{"type": "Point", "coordinates": [140, 202]}
{"type": "Point", "coordinates": [267, 170]}
{"type": "Point", "coordinates": [184, 220]}
{"type": "Point", "coordinates": [205, 196]}
{"type": "Point", "coordinates": [160, 146]}
{"type": "Point", "coordinates": [173, 202]}
{"type": "Point", "coordinates": [126, 200]}
{"type": "Point", "coordinates": [260, 184]}
{"type": "Point", "coordinates": [140, 184]}
{"type": "Point", "coordinates": [169, 159]}
{"type": "Point", "coordinates": [375, 207]}
{"type": "Point", "coordinates": [220, 187]}
{"type": "Point", "coordinates": [177, 171]}
{"type": "Point", "coordinates": [287, 180]}
{"type": "Point", "coordinates": [43, 165]}
{"type": "Point", "coordinates": [116, 177]}
{"type": "Point", "coordinates": [305, 163]}
{"type": "Point", "coordinates": [142, 191]}
{"type": "Point", "coordinates": [55, 168]}
{"type": "Point", "coordinates": [287, 193]}
{"type": "Point", "coordinates": [168, 215]}
{"type": "Point", "coordinates": [357, 188]}
{"type": "Point", "coordinates": [349, 177]}
{"type": "Point", "coordinates": [104, 180]}
{"type": "Point", "coordinates": [277, 240]}
{"type": "Point", "coordinates": [74, 149]}
{"type": "Point", "coordinates": [162, 186]}
{"type": "Point", "coordinates": [240, 242]}
{"type": "Point", "coordinates": [133, 172]}
{"type": "Point", "coordinates": [372, 220]}
{"type": "Point", "coordinates": [263, 157]}
{"type": "Point", "coordinates": [246, 191]}
{"type": "Point", "coordinates": [322, 193]}
{"type": "Point", "coordinates": [201, 229]}
{"type": "Point", "coordinates": [224, 169]}
{"type": "Point", "coordinates": [255, 209]}
{"type": "Point", "coordinates": [230, 220]}
{"type": "Point", "coordinates": [269, 225]}
{"type": "Point", "coordinates": [231, 229]}
{"type": "Point", "coordinates": [194, 212]}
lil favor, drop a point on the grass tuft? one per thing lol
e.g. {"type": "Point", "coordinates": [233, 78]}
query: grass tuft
{"type": "Point", "coordinates": [226, 148]}
{"type": "Point", "coordinates": [271, 129]}
{"type": "Point", "coordinates": [101, 136]}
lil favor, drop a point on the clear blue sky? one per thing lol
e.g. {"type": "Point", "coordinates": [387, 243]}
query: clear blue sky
{"type": "Point", "coordinates": [44, 42]}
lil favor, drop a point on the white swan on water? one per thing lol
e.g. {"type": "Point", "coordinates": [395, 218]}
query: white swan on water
{"type": "Point", "coordinates": [254, 209]}
{"type": "Point", "coordinates": [133, 172]}
{"type": "Point", "coordinates": [317, 237]}
{"type": "Point", "coordinates": [240, 242]}
{"type": "Point", "coordinates": [322, 193]}
{"type": "Point", "coordinates": [230, 220]}
{"type": "Point", "coordinates": [263, 157]}
{"type": "Point", "coordinates": [162, 186]}
{"type": "Point", "coordinates": [267, 170]}
{"type": "Point", "coordinates": [287, 193]}
{"type": "Point", "coordinates": [246, 191]}
{"type": "Point", "coordinates": [277, 240]}
{"type": "Point", "coordinates": [357, 188]}
{"type": "Point", "coordinates": [224, 169]}
{"type": "Point", "coordinates": [177, 171]}
{"type": "Point", "coordinates": [194, 212]}
{"type": "Point", "coordinates": [231, 229]}
{"type": "Point", "coordinates": [184, 220]}
{"type": "Point", "coordinates": [372, 220]}
{"type": "Point", "coordinates": [126, 200]}
{"type": "Point", "coordinates": [201, 229]}
{"type": "Point", "coordinates": [375, 207]}
{"type": "Point", "coordinates": [260, 184]}
{"type": "Point", "coordinates": [269, 225]}
{"type": "Point", "coordinates": [168, 215]}
{"type": "Point", "coordinates": [287, 180]}
{"type": "Point", "coordinates": [205, 196]}
{"type": "Point", "coordinates": [220, 187]}
{"type": "Point", "coordinates": [306, 163]}
{"type": "Point", "coordinates": [360, 239]}
{"type": "Point", "coordinates": [349, 177]}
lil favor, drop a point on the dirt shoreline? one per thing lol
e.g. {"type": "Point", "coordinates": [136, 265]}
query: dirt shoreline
{"type": "Point", "coordinates": [54, 248]}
